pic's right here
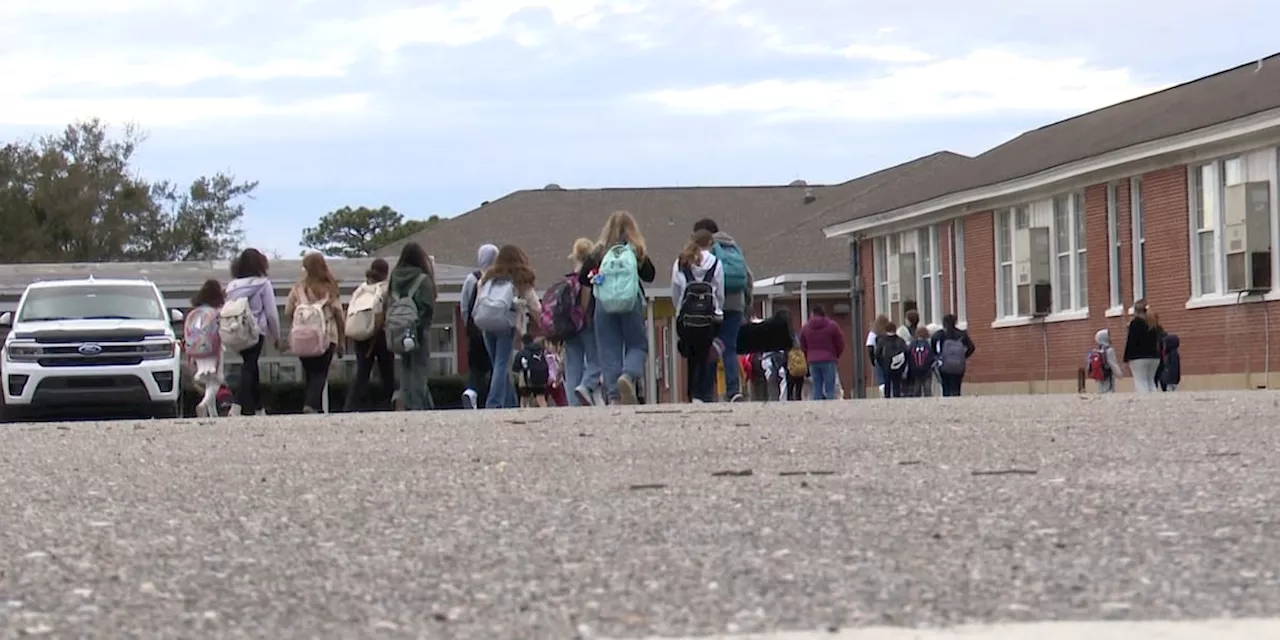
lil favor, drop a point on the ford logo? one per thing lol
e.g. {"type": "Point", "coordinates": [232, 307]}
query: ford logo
{"type": "Point", "coordinates": [89, 349]}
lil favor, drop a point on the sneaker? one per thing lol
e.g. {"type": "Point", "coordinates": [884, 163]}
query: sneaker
{"type": "Point", "coordinates": [597, 398]}
{"type": "Point", "coordinates": [202, 410]}
{"type": "Point", "coordinates": [234, 410]}
{"type": "Point", "coordinates": [737, 397]}
{"type": "Point", "coordinates": [471, 399]}
{"type": "Point", "coordinates": [697, 401]}
{"type": "Point", "coordinates": [626, 390]}
{"type": "Point", "coordinates": [584, 396]}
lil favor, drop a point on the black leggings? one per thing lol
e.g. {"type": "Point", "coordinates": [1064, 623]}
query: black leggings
{"type": "Point", "coordinates": [369, 353]}
{"type": "Point", "coordinates": [249, 392]}
{"type": "Point", "coordinates": [315, 373]}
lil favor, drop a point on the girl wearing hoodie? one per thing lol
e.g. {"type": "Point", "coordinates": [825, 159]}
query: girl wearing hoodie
{"type": "Point", "coordinates": [696, 331]}
{"type": "Point", "coordinates": [317, 287]}
{"type": "Point", "coordinates": [1142, 349]}
{"type": "Point", "coordinates": [414, 365]}
{"type": "Point", "coordinates": [478, 365]}
{"type": "Point", "coordinates": [1112, 371]}
{"type": "Point", "coordinates": [374, 349]}
{"type": "Point", "coordinates": [249, 280]}
{"type": "Point", "coordinates": [511, 272]}
{"type": "Point", "coordinates": [581, 360]}
{"type": "Point", "coordinates": [823, 344]}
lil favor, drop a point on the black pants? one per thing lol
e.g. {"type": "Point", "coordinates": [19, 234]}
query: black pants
{"type": "Point", "coordinates": [249, 392]}
{"type": "Point", "coordinates": [371, 352]}
{"type": "Point", "coordinates": [951, 384]}
{"type": "Point", "coordinates": [315, 373]}
{"type": "Point", "coordinates": [478, 364]}
{"type": "Point", "coordinates": [696, 345]}
{"type": "Point", "coordinates": [795, 388]}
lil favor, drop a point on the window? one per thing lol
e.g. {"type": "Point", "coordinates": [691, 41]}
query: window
{"type": "Point", "coordinates": [1037, 244]}
{"type": "Point", "coordinates": [908, 273]}
{"type": "Point", "coordinates": [444, 351]}
{"type": "Point", "coordinates": [1137, 213]}
{"type": "Point", "coordinates": [958, 293]}
{"type": "Point", "coordinates": [92, 301]}
{"type": "Point", "coordinates": [1232, 208]}
{"type": "Point", "coordinates": [882, 275]}
{"type": "Point", "coordinates": [1116, 253]}
{"type": "Point", "coordinates": [927, 280]}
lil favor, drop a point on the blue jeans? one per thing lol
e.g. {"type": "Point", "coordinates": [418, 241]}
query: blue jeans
{"type": "Point", "coordinates": [729, 329]}
{"type": "Point", "coordinates": [502, 395]}
{"type": "Point", "coordinates": [824, 380]}
{"type": "Point", "coordinates": [581, 364]}
{"type": "Point", "coordinates": [622, 347]}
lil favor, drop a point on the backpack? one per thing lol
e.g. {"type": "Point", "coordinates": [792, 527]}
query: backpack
{"type": "Point", "coordinates": [952, 360]}
{"type": "Point", "coordinates": [237, 328]}
{"type": "Point", "coordinates": [698, 302]}
{"type": "Point", "coordinates": [495, 309]}
{"type": "Point", "coordinates": [797, 363]}
{"type": "Point", "coordinates": [1096, 364]}
{"type": "Point", "coordinates": [403, 317]}
{"type": "Point", "coordinates": [309, 332]}
{"type": "Point", "coordinates": [735, 266]}
{"type": "Point", "coordinates": [364, 313]}
{"type": "Point", "coordinates": [618, 285]}
{"type": "Point", "coordinates": [895, 354]}
{"type": "Point", "coordinates": [921, 357]}
{"type": "Point", "coordinates": [562, 317]}
{"type": "Point", "coordinates": [471, 305]}
{"type": "Point", "coordinates": [537, 373]}
{"type": "Point", "coordinates": [200, 334]}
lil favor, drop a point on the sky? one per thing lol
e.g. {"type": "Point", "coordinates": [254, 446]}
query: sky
{"type": "Point", "coordinates": [434, 107]}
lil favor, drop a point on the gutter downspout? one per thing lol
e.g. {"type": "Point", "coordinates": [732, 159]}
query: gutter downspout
{"type": "Point", "coordinates": [856, 293]}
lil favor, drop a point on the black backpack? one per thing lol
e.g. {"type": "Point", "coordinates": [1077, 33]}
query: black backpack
{"type": "Point", "coordinates": [472, 329]}
{"type": "Point", "coordinates": [698, 303]}
{"type": "Point", "coordinates": [536, 371]}
{"type": "Point", "coordinates": [895, 355]}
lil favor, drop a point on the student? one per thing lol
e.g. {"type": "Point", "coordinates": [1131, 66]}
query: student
{"type": "Point", "coordinates": [555, 367]}
{"type": "Point", "coordinates": [203, 346]}
{"type": "Point", "coordinates": [371, 350]}
{"type": "Point", "coordinates": [534, 368]}
{"type": "Point", "coordinates": [922, 360]}
{"type": "Point", "coordinates": [1172, 373]}
{"type": "Point", "coordinates": [697, 287]}
{"type": "Point", "coordinates": [581, 360]}
{"type": "Point", "coordinates": [823, 344]}
{"type": "Point", "coordinates": [261, 321]}
{"type": "Point", "coordinates": [797, 370]}
{"type": "Point", "coordinates": [615, 273]}
{"type": "Point", "coordinates": [317, 332]}
{"type": "Point", "coordinates": [1101, 364]}
{"type": "Point", "coordinates": [739, 291]}
{"type": "Point", "coordinates": [954, 348]}
{"type": "Point", "coordinates": [411, 300]}
{"type": "Point", "coordinates": [893, 358]}
{"type": "Point", "coordinates": [509, 280]}
{"type": "Point", "coordinates": [1142, 349]}
{"type": "Point", "coordinates": [478, 364]}
{"type": "Point", "coordinates": [877, 330]}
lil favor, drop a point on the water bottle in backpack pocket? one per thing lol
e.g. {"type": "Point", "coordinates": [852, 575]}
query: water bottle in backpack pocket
{"type": "Point", "coordinates": [402, 319]}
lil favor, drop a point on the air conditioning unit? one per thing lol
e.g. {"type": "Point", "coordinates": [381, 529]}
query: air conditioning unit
{"type": "Point", "coordinates": [1247, 236]}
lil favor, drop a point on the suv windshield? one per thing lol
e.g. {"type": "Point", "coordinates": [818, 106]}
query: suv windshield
{"type": "Point", "coordinates": [92, 302]}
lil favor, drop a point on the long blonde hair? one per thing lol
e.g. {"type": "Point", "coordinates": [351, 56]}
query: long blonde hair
{"type": "Point", "coordinates": [582, 248]}
{"type": "Point", "coordinates": [318, 280]}
{"type": "Point", "coordinates": [620, 227]}
{"type": "Point", "coordinates": [692, 254]}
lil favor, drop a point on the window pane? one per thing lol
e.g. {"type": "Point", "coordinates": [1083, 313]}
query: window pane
{"type": "Point", "coordinates": [1206, 197]}
{"type": "Point", "coordinates": [882, 298]}
{"type": "Point", "coordinates": [926, 251]}
{"type": "Point", "coordinates": [1006, 290]}
{"type": "Point", "coordinates": [1082, 279]}
{"type": "Point", "coordinates": [926, 300]}
{"type": "Point", "coordinates": [442, 339]}
{"type": "Point", "coordinates": [1061, 225]}
{"type": "Point", "coordinates": [1079, 213]}
{"type": "Point", "coordinates": [1064, 282]}
{"type": "Point", "coordinates": [1004, 248]}
{"type": "Point", "coordinates": [1022, 217]}
{"type": "Point", "coordinates": [1233, 172]}
{"type": "Point", "coordinates": [1205, 241]}
{"type": "Point", "coordinates": [440, 366]}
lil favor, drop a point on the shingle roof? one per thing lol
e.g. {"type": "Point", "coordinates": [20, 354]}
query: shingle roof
{"type": "Point", "coordinates": [1222, 97]}
{"type": "Point", "coordinates": [763, 219]}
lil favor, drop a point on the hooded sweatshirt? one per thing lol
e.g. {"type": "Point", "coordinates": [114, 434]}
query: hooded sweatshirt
{"type": "Point", "coordinates": [401, 281]}
{"type": "Point", "coordinates": [736, 301]}
{"type": "Point", "coordinates": [262, 303]}
{"type": "Point", "coordinates": [821, 340]}
{"type": "Point", "coordinates": [1172, 373]}
{"type": "Point", "coordinates": [485, 256]}
{"type": "Point", "coordinates": [679, 281]}
{"type": "Point", "coordinates": [1103, 339]}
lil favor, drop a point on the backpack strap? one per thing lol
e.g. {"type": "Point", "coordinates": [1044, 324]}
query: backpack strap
{"type": "Point", "coordinates": [417, 282]}
{"type": "Point", "coordinates": [708, 277]}
{"type": "Point", "coordinates": [688, 274]}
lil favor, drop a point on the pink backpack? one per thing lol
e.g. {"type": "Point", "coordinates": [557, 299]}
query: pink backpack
{"type": "Point", "coordinates": [562, 317]}
{"type": "Point", "coordinates": [309, 332]}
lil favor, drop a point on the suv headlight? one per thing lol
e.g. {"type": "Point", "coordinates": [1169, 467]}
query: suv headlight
{"type": "Point", "coordinates": [22, 352]}
{"type": "Point", "coordinates": [158, 350]}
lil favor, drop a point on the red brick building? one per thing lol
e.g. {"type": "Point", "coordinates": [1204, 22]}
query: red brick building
{"type": "Point", "coordinates": [1042, 241]}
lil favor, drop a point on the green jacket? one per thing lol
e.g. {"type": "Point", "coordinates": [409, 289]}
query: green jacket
{"type": "Point", "coordinates": [402, 280]}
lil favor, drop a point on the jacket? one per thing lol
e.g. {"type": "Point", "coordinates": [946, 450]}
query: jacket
{"type": "Point", "coordinates": [484, 259]}
{"type": "Point", "coordinates": [821, 340]}
{"type": "Point", "coordinates": [1172, 373]}
{"type": "Point", "coordinates": [737, 301]}
{"type": "Point", "coordinates": [425, 298]}
{"type": "Point", "coordinates": [953, 334]}
{"type": "Point", "coordinates": [1103, 340]}
{"type": "Point", "coordinates": [699, 271]}
{"type": "Point", "coordinates": [1142, 341]}
{"type": "Point", "coordinates": [262, 303]}
{"type": "Point", "coordinates": [890, 344]}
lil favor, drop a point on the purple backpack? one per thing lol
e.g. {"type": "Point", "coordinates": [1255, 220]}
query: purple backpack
{"type": "Point", "coordinates": [562, 317]}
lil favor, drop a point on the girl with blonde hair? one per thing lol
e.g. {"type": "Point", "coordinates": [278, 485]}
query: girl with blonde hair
{"type": "Point", "coordinates": [581, 360]}
{"type": "Point", "coordinates": [316, 333]}
{"type": "Point", "coordinates": [614, 274]}
{"type": "Point", "coordinates": [697, 288]}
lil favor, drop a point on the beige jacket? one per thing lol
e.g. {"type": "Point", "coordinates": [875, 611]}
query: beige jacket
{"type": "Point", "coordinates": [528, 307]}
{"type": "Point", "coordinates": [337, 317]}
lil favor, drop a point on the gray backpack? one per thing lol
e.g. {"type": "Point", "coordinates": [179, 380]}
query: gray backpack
{"type": "Point", "coordinates": [495, 309]}
{"type": "Point", "coordinates": [952, 360]}
{"type": "Point", "coordinates": [402, 318]}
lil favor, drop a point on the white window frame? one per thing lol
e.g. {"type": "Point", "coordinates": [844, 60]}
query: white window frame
{"type": "Point", "coordinates": [881, 248]}
{"type": "Point", "coordinates": [1115, 252]}
{"type": "Point", "coordinates": [1138, 247]}
{"type": "Point", "coordinates": [881, 269]}
{"type": "Point", "coordinates": [1077, 240]}
{"type": "Point", "coordinates": [450, 358]}
{"type": "Point", "coordinates": [959, 296]}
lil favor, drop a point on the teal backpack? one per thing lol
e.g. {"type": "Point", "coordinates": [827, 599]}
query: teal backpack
{"type": "Point", "coordinates": [617, 287]}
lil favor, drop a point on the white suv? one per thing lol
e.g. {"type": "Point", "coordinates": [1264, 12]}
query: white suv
{"type": "Point", "coordinates": [86, 345]}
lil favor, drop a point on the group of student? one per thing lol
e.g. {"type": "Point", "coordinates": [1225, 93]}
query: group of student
{"type": "Point", "coordinates": [908, 359]}
{"type": "Point", "coordinates": [1152, 354]}
{"type": "Point", "coordinates": [388, 316]}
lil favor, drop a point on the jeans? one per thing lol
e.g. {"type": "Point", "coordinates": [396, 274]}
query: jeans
{"type": "Point", "coordinates": [729, 328]}
{"type": "Point", "coordinates": [478, 364]}
{"type": "Point", "coordinates": [371, 352]}
{"type": "Point", "coordinates": [415, 389]}
{"type": "Point", "coordinates": [500, 345]}
{"type": "Point", "coordinates": [581, 364]}
{"type": "Point", "coordinates": [1144, 374]}
{"type": "Point", "coordinates": [1107, 385]}
{"type": "Point", "coordinates": [824, 380]}
{"type": "Point", "coordinates": [249, 392]}
{"type": "Point", "coordinates": [315, 374]}
{"type": "Point", "coordinates": [622, 347]}
{"type": "Point", "coordinates": [950, 383]}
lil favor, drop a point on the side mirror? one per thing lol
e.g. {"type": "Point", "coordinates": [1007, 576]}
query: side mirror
{"type": "Point", "coordinates": [176, 316]}
{"type": "Point", "coordinates": [6, 319]}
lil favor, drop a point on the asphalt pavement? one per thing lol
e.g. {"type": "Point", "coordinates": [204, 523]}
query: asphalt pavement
{"type": "Point", "coordinates": [652, 521]}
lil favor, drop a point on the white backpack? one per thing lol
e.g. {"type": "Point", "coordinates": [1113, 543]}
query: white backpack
{"type": "Point", "coordinates": [495, 308]}
{"type": "Point", "coordinates": [368, 303]}
{"type": "Point", "coordinates": [309, 333]}
{"type": "Point", "coordinates": [237, 327]}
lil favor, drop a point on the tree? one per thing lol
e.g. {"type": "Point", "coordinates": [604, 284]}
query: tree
{"type": "Point", "coordinates": [76, 197]}
{"type": "Point", "coordinates": [355, 233]}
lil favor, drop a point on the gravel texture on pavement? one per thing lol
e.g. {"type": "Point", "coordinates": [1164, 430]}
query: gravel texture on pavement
{"type": "Point", "coordinates": [632, 522]}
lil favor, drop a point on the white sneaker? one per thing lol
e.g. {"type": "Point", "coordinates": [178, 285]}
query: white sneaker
{"type": "Point", "coordinates": [627, 390]}
{"type": "Point", "coordinates": [471, 399]}
{"type": "Point", "coordinates": [202, 410]}
{"type": "Point", "coordinates": [737, 397]}
{"type": "Point", "coordinates": [584, 396]}
{"type": "Point", "coordinates": [235, 410]}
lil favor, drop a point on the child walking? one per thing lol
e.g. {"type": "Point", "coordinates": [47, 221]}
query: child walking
{"type": "Point", "coordinates": [1102, 366]}
{"type": "Point", "coordinates": [203, 345]}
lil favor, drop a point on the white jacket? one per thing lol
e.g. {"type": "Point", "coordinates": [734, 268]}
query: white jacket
{"type": "Point", "coordinates": [699, 271]}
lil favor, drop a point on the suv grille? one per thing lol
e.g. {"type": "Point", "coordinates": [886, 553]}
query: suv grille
{"type": "Point", "coordinates": [90, 354]}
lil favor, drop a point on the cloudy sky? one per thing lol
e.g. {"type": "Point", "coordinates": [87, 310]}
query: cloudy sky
{"type": "Point", "coordinates": [432, 107]}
